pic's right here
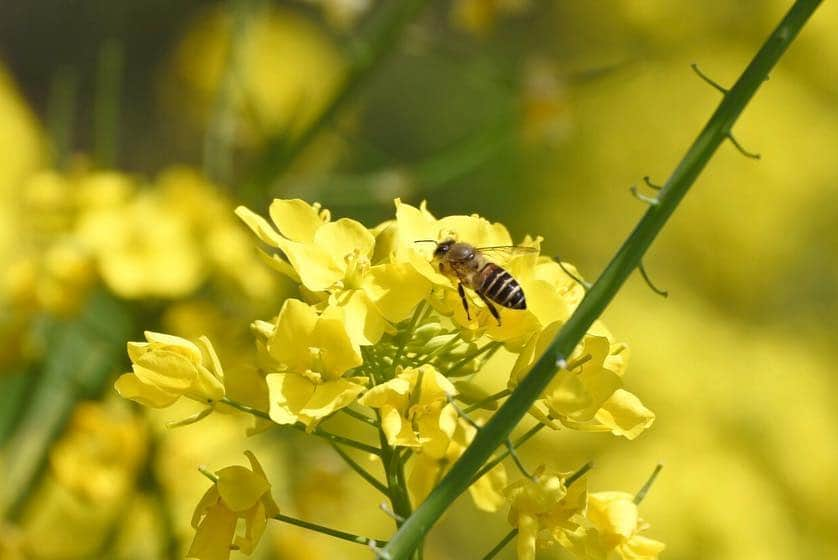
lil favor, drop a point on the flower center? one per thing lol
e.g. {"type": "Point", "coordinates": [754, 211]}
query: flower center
{"type": "Point", "coordinates": [357, 266]}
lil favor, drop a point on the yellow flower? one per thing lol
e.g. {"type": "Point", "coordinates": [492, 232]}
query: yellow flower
{"type": "Point", "coordinates": [99, 455]}
{"type": "Point", "coordinates": [238, 493]}
{"type": "Point", "coordinates": [167, 367]}
{"type": "Point", "coordinates": [615, 518]}
{"type": "Point", "coordinates": [551, 294]}
{"type": "Point", "coordinates": [334, 261]}
{"type": "Point", "coordinates": [410, 405]}
{"type": "Point", "coordinates": [144, 247]}
{"type": "Point", "coordinates": [430, 462]}
{"type": "Point", "coordinates": [313, 352]}
{"type": "Point", "coordinates": [588, 394]}
{"type": "Point", "coordinates": [543, 508]}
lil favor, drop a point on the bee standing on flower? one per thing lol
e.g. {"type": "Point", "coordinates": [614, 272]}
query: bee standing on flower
{"type": "Point", "coordinates": [491, 282]}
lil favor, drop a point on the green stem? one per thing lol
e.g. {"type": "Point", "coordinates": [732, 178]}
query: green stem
{"type": "Point", "coordinates": [219, 138]}
{"type": "Point", "coordinates": [626, 260]}
{"type": "Point", "coordinates": [362, 472]}
{"type": "Point", "coordinates": [578, 474]}
{"type": "Point", "coordinates": [380, 39]}
{"type": "Point", "coordinates": [106, 107]}
{"type": "Point", "coordinates": [645, 489]}
{"type": "Point", "coordinates": [319, 432]}
{"type": "Point", "coordinates": [515, 445]}
{"type": "Point", "coordinates": [500, 546]}
{"type": "Point", "coordinates": [406, 335]}
{"type": "Point", "coordinates": [343, 535]}
{"type": "Point", "coordinates": [488, 348]}
{"type": "Point", "coordinates": [359, 416]}
{"type": "Point", "coordinates": [483, 402]}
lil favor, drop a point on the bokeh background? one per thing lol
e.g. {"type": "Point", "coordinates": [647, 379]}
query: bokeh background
{"type": "Point", "coordinates": [130, 130]}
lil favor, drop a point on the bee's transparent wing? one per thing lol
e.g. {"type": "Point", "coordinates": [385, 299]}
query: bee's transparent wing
{"type": "Point", "coordinates": [506, 252]}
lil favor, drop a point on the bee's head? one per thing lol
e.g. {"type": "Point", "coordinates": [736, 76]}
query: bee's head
{"type": "Point", "coordinates": [443, 247]}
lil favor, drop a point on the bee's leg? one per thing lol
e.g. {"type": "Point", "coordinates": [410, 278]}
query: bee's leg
{"type": "Point", "coordinates": [492, 309]}
{"type": "Point", "coordinates": [462, 293]}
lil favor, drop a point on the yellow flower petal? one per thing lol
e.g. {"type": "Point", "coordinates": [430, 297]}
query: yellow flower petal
{"type": "Point", "coordinates": [289, 393]}
{"type": "Point", "coordinates": [364, 322]}
{"type": "Point", "coordinates": [296, 219]}
{"type": "Point", "coordinates": [327, 398]}
{"type": "Point", "coordinates": [344, 237]}
{"type": "Point", "coordinates": [240, 488]}
{"type": "Point", "coordinates": [614, 513]}
{"type": "Point", "coordinates": [214, 535]}
{"type": "Point", "coordinates": [167, 370]}
{"type": "Point", "coordinates": [625, 415]}
{"type": "Point", "coordinates": [395, 289]}
{"type": "Point", "coordinates": [130, 387]}
{"type": "Point", "coordinates": [293, 334]}
{"type": "Point", "coordinates": [314, 264]}
{"type": "Point", "coordinates": [259, 226]}
{"type": "Point", "coordinates": [338, 353]}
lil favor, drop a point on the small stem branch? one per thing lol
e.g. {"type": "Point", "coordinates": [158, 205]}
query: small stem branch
{"type": "Point", "coordinates": [406, 335]}
{"type": "Point", "coordinates": [645, 488]}
{"type": "Point", "coordinates": [578, 474]}
{"type": "Point", "coordinates": [498, 428]}
{"type": "Point", "coordinates": [319, 432]}
{"type": "Point", "coordinates": [488, 348]}
{"type": "Point", "coordinates": [359, 416]}
{"type": "Point", "coordinates": [342, 535]}
{"type": "Point", "coordinates": [362, 472]}
{"type": "Point", "coordinates": [517, 443]}
{"type": "Point", "coordinates": [482, 402]}
{"type": "Point", "coordinates": [501, 545]}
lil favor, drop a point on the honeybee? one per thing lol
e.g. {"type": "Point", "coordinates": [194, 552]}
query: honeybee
{"type": "Point", "coordinates": [473, 269]}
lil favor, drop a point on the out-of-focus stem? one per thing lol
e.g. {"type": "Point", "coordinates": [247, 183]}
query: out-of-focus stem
{"type": "Point", "coordinates": [382, 33]}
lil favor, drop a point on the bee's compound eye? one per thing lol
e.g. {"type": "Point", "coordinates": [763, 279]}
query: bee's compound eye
{"type": "Point", "coordinates": [442, 249]}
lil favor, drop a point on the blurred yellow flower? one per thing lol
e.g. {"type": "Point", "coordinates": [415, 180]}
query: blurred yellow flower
{"type": "Point", "coordinates": [287, 69]}
{"type": "Point", "coordinates": [99, 455]}
{"type": "Point", "coordinates": [167, 367]}
{"type": "Point", "coordinates": [312, 353]}
{"type": "Point", "coordinates": [238, 494]}
{"type": "Point", "coordinates": [543, 508]}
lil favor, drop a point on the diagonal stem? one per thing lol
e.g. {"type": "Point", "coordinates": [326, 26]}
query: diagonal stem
{"type": "Point", "coordinates": [627, 258]}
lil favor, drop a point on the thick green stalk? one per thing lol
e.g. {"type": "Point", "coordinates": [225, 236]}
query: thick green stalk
{"type": "Point", "coordinates": [624, 262]}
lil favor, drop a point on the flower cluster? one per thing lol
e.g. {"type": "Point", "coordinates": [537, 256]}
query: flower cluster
{"type": "Point", "coordinates": [380, 331]}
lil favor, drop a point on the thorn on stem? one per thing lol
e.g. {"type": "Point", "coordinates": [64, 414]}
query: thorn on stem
{"type": "Point", "coordinates": [517, 460]}
{"type": "Point", "coordinates": [707, 79]}
{"type": "Point", "coordinates": [743, 151]}
{"type": "Point", "coordinates": [650, 184]}
{"type": "Point", "coordinates": [649, 282]}
{"type": "Point", "coordinates": [390, 513]}
{"type": "Point", "coordinates": [650, 200]}
{"type": "Point", "coordinates": [585, 285]}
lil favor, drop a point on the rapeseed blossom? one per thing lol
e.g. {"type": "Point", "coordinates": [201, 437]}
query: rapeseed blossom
{"type": "Point", "coordinates": [168, 367]}
{"type": "Point", "coordinates": [237, 494]}
{"type": "Point", "coordinates": [312, 353]}
{"type": "Point", "coordinates": [379, 332]}
{"type": "Point", "coordinates": [542, 508]}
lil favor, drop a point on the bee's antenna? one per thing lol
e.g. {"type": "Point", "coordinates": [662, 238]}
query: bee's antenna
{"type": "Point", "coordinates": [425, 241]}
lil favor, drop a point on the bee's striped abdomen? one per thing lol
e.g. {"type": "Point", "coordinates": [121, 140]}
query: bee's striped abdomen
{"type": "Point", "coordinates": [499, 286]}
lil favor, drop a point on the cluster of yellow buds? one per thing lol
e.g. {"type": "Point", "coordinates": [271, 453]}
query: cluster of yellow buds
{"type": "Point", "coordinates": [384, 334]}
